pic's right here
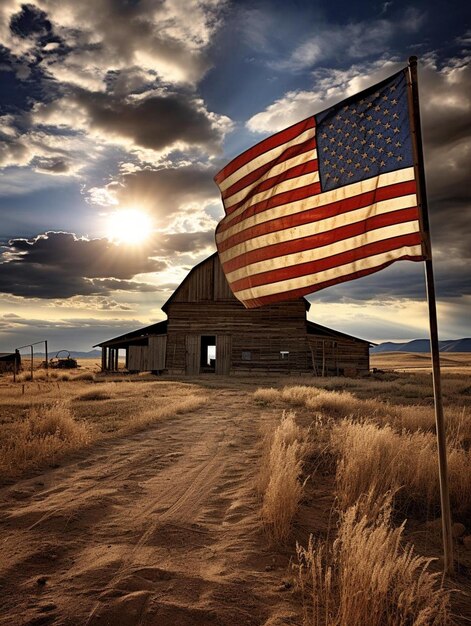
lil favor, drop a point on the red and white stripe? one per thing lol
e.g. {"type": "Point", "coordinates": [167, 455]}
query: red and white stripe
{"type": "Point", "coordinates": [282, 237]}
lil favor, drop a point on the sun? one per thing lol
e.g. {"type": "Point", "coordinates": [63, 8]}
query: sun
{"type": "Point", "coordinates": [131, 226]}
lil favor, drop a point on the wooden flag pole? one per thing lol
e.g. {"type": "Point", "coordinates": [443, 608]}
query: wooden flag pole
{"type": "Point", "coordinates": [432, 311]}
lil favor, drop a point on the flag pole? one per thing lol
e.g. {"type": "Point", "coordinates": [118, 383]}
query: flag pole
{"type": "Point", "coordinates": [432, 311]}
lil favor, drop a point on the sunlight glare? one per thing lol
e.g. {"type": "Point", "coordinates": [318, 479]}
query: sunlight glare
{"type": "Point", "coordinates": [130, 226]}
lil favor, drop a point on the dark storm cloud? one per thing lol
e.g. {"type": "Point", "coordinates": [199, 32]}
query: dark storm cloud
{"type": "Point", "coordinates": [445, 104]}
{"type": "Point", "coordinates": [30, 22]}
{"type": "Point", "coordinates": [402, 281]}
{"type": "Point", "coordinates": [181, 243]}
{"type": "Point", "coordinates": [60, 265]}
{"type": "Point", "coordinates": [167, 189]}
{"type": "Point", "coordinates": [91, 258]}
{"type": "Point", "coordinates": [156, 121]}
{"type": "Point", "coordinates": [446, 119]}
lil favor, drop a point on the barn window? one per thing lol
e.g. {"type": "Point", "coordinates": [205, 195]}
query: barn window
{"type": "Point", "coordinates": [246, 355]}
{"type": "Point", "coordinates": [284, 354]}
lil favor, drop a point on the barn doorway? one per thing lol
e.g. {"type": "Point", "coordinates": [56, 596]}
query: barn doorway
{"type": "Point", "coordinates": [208, 354]}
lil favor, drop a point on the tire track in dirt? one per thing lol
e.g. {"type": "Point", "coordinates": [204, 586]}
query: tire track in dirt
{"type": "Point", "coordinates": [159, 528]}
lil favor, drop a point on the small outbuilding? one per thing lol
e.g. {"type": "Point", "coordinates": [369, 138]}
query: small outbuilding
{"type": "Point", "coordinates": [209, 331]}
{"type": "Point", "coordinates": [8, 361]}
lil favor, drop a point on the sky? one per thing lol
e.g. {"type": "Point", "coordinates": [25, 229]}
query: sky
{"type": "Point", "coordinates": [115, 116]}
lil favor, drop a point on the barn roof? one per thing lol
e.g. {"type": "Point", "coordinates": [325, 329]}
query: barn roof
{"type": "Point", "coordinates": [318, 329]}
{"type": "Point", "coordinates": [6, 356]}
{"type": "Point", "coordinates": [193, 271]}
{"type": "Point", "coordinates": [160, 328]}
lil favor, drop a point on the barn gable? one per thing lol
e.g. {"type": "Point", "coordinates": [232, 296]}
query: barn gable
{"type": "Point", "coordinates": [205, 282]}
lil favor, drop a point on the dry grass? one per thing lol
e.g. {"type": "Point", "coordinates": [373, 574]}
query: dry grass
{"type": "Point", "coordinates": [378, 437]}
{"type": "Point", "coordinates": [54, 375]}
{"type": "Point", "coordinates": [280, 476]}
{"type": "Point", "coordinates": [344, 404]}
{"type": "Point", "coordinates": [176, 407]}
{"type": "Point", "coordinates": [331, 403]}
{"type": "Point", "coordinates": [266, 395]}
{"type": "Point", "coordinates": [384, 446]}
{"type": "Point", "coordinates": [397, 387]}
{"type": "Point", "coordinates": [93, 396]}
{"type": "Point", "coordinates": [46, 433]}
{"type": "Point", "coordinates": [101, 410]}
{"type": "Point", "coordinates": [381, 459]}
{"type": "Point", "coordinates": [367, 578]}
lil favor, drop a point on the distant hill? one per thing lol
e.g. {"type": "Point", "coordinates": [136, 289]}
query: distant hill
{"type": "Point", "coordinates": [92, 354]}
{"type": "Point", "coordinates": [423, 345]}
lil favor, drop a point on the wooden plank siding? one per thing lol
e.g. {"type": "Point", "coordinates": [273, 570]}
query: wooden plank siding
{"type": "Point", "coordinates": [205, 283]}
{"type": "Point", "coordinates": [157, 352]}
{"type": "Point", "coordinates": [334, 356]}
{"type": "Point", "coordinates": [263, 333]}
{"type": "Point", "coordinates": [137, 360]}
{"type": "Point", "coordinates": [192, 354]}
{"type": "Point", "coordinates": [223, 354]}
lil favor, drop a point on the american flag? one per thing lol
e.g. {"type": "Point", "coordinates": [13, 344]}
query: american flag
{"type": "Point", "coordinates": [327, 200]}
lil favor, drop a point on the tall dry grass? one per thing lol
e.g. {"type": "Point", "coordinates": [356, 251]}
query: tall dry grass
{"type": "Point", "coordinates": [45, 434]}
{"type": "Point", "coordinates": [379, 459]}
{"type": "Point", "coordinates": [280, 473]}
{"type": "Point", "coordinates": [367, 577]}
{"type": "Point", "coordinates": [344, 404]}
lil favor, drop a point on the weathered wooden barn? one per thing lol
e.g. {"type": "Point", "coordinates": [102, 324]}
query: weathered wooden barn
{"type": "Point", "coordinates": [209, 330]}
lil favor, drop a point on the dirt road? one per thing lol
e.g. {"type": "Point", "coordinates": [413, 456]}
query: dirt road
{"type": "Point", "coordinates": [160, 528]}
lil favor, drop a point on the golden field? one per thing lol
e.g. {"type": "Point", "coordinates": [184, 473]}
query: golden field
{"type": "Point", "coordinates": [233, 500]}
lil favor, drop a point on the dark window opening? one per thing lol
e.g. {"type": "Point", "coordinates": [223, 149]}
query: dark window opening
{"type": "Point", "coordinates": [284, 354]}
{"type": "Point", "coordinates": [208, 353]}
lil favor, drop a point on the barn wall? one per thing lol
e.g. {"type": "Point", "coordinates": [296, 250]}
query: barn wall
{"type": "Point", "coordinates": [334, 356]}
{"type": "Point", "coordinates": [157, 351]}
{"type": "Point", "coordinates": [138, 358]}
{"type": "Point", "coordinates": [258, 333]}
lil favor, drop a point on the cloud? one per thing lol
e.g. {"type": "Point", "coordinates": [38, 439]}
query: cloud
{"type": "Point", "coordinates": [30, 21]}
{"type": "Point", "coordinates": [61, 265]}
{"type": "Point", "coordinates": [57, 151]}
{"type": "Point", "coordinates": [184, 243]}
{"type": "Point", "coordinates": [330, 86]}
{"type": "Point", "coordinates": [130, 85]}
{"type": "Point", "coordinates": [70, 333]}
{"type": "Point", "coordinates": [355, 40]}
{"type": "Point", "coordinates": [165, 191]}
{"type": "Point", "coordinates": [402, 281]}
{"type": "Point", "coordinates": [160, 121]}
{"type": "Point", "coordinates": [90, 303]}
{"type": "Point", "coordinates": [183, 201]}
{"type": "Point", "coordinates": [166, 38]}
{"type": "Point", "coordinates": [149, 125]}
